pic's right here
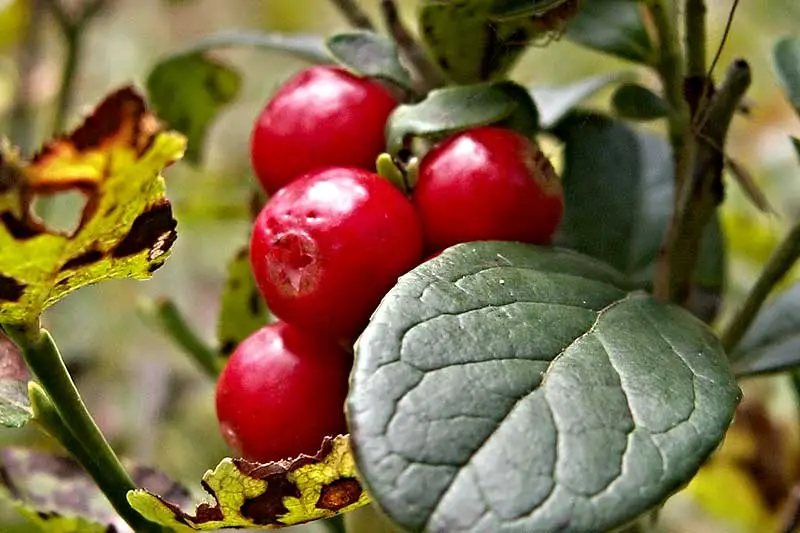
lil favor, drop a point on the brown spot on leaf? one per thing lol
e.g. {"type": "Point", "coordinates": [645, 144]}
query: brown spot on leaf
{"type": "Point", "coordinates": [255, 303]}
{"type": "Point", "coordinates": [152, 230]}
{"type": "Point", "coordinates": [339, 494]}
{"type": "Point", "coordinates": [20, 229]}
{"type": "Point", "coordinates": [10, 289]}
{"type": "Point", "coordinates": [267, 508]}
{"type": "Point", "coordinates": [86, 258]}
{"type": "Point", "coordinates": [228, 347]}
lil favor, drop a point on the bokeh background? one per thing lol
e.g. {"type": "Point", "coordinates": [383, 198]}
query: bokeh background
{"type": "Point", "coordinates": [150, 399]}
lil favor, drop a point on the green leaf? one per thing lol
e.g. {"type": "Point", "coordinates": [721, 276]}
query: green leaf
{"type": "Point", "coordinates": [503, 386]}
{"type": "Point", "coordinates": [15, 407]}
{"type": "Point", "coordinates": [619, 193]}
{"type": "Point", "coordinates": [126, 228]}
{"type": "Point", "coordinates": [369, 54]}
{"type": "Point", "coordinates": [470, 43]}
{"type": "Point", "coordinates": [772, 344]}
{"type": "Point", "coordinates": [55, 493]}
{"type": "Point", "coordinates": [615, 27]}
{"type": "Point", "coordinates": [266, 496]}
{"type": "Point", "coordinates": [636, 102]}
{"type": "Point", "coordinates": [555, 102]}
{"type": "Point", "coordinates": [188, 91]}
{"type": "Point", "coordinates": [308, 47]}
{"type": "Point", "coordinates": [242, 310]}
{"type": "Point", "coordinates": [786, 60]}
{"type": "Point", "coordinates": [451, 109]}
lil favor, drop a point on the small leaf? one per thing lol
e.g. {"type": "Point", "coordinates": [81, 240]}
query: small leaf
{"type": "Point", "coordinates": [555, 102]}
{"type": "Point", "coordinates": [452, 109]}
{"type": "Point", "coordinates": [369, 54]}
{"type": "Point", "coordinates": [615, 27]}
{"type": "Point", "coordinates": [55, 493]}
{"type": "Point", "coordinates": [748, 185]}
{"type": "Point", "coordinates": [188, 91]}
{"type": "Point", "coordinates": [471, 43]}
{"type": "Point", "coordinates": [15, 407]}
{"type": "Point", "coordinates": [126, 227]}
{"type": "Point", "coordinates": [242, 310]}
{"type": "Point", "coordinates": [772, 344]}
{"type": "Point", "coordinates": [266, 496]}
{"type": "Point", "coordinates": [503, 386]}
{"type": "Point", "coordinates": [636, 102]}
{"type": "Point", "coordinates": [786, 60]}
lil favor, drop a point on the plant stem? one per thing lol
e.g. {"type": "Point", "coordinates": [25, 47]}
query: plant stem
{"type": "Point", "coordinates": [354, 14]}
{"type": "Point", "coordinates": [695, 38]}
{"type": "Point", "coordinates": [169, 319]}
{"type": "Point", "coordinates": [428, 74]}
{"type": "Point", "coordinates": [781, 261]}
{"type": "Point", "coordinates": [45, 362]}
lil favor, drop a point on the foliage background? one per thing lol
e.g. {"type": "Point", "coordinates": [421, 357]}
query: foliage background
{"type": "Point", "coordinates": [150, 400]}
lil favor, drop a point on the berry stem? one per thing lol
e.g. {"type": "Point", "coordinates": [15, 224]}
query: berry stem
{"type": "Point", "coordinates": [69, 421]}
{"type": "Point", "coordinates": [167, 317]}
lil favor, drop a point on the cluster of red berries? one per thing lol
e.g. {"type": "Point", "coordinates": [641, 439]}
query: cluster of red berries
{"type": "Point", "coordinates": [334, 237]}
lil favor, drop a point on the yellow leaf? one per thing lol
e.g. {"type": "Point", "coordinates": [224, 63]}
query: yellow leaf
{"type": "Point", "coordinates": [126, 228]}
{"type": "Point", "coordinates": [267, 496]}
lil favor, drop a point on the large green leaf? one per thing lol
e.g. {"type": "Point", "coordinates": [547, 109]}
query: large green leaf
{"type": "Point", "coordinates": [451, 109]}
{"type": "Point", "coordinates": [369, 54]}
{"type": "Point", "coordinates": [636, 102]}
{"type": "Point", "coordinates": [772, 343]}
{"type": "Point", "coordinates": [188, 91]}
{"type": "Point", "coordinates": [786, 58]}
{"type": "Point", "coordinates": [619, 193]}
{"type": "Point", "coordinates": [506, 387]}
{"type": "Point", "coordinates": [615, 27]}
{"type": "Point", "coordinates": [15, 407]}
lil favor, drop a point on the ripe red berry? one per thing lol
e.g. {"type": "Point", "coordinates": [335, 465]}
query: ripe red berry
{"type": "Point", "coordinates": [281, 393]}
{"type": "Point", "coordinates": [488, 183]}
{"type": "Point", "coordinates": [328, 246]}
{"type": "Point", "coordinates": [323, 116]}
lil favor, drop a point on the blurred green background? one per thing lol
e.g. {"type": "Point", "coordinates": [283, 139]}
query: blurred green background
{"type": "Point", "coordinates": [151, 401]}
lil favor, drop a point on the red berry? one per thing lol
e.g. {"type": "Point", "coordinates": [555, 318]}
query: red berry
{"type": "Point", "coordinates": [328, 246]}
{"type": "Point", "coordinates": [323, 116]}
{"type": "Point", "coordinates": [281, 393]}
{"type": "Point", "coordinates": [487, 184]}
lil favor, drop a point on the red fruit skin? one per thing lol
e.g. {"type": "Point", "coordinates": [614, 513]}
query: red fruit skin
{"type": "Point", "coordinates": [281, 393]}
{"type": "Point", "coordinates": [328, 246]}
{"type": "Point", "coordinates": [484, 184]}
{"type": "Point", "coordinates": [323, 116]}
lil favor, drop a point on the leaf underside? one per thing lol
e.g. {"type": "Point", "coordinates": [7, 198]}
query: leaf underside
{"type": "Point", "coordinates": [505, 387]}
{"type": "Point", "coordinates": [15, 406]}
{"type": "Point", "coordinates": [266, 496]}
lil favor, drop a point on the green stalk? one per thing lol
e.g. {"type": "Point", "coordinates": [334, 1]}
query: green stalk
{"type": "Point", "coordinates": [88, 444]}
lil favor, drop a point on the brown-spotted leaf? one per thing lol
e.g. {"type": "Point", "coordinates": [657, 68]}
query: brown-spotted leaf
{"type": "Point", "coordinates": [55, 493]}
{"type": "Point", "coordinates": [266, 496]}
{"type": "Point", "coordinates": [15, 407]}
{"type": "Point", "coordinates": [126, 227]}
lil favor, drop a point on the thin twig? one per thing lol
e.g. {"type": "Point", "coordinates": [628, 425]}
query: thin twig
{"type": "Point", "coordinates": [354, 14]}
{"type": "Point", "coordinates": [781, 261]}
{"type": "Point", "coordinates": [699, 197]}
{"type": "Point", "coordinates": [427, 73]}
{"type": "Point", "coordinates": [695, 37]}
